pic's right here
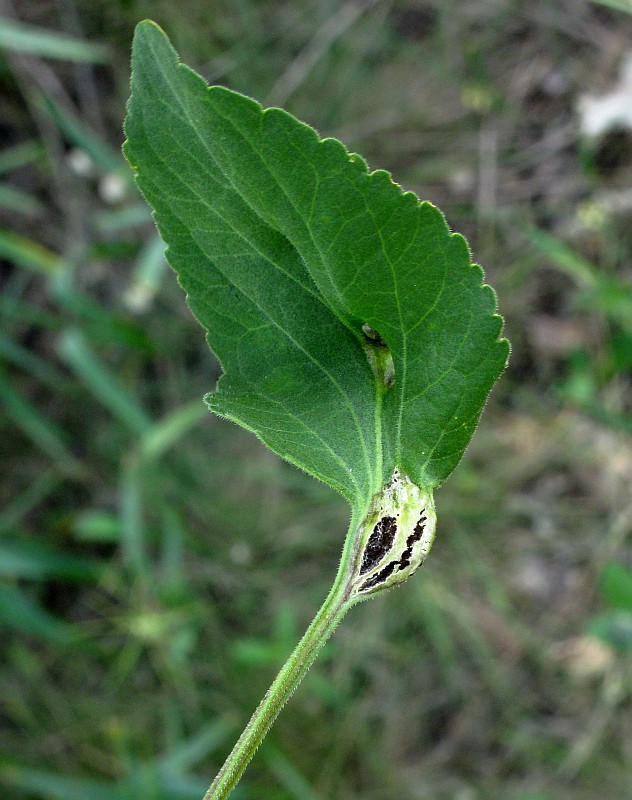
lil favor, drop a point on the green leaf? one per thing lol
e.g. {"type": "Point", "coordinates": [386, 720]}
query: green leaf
{"type": "Point", "coordinates": [314, 279]}
{"type": "Point", "coordinates": [616, 586]}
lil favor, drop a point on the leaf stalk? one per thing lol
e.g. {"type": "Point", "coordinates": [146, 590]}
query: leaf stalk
{"type": "Point", "coordinates": [292, 673]}
{"type": "Point", "coordinates": [388, 545]}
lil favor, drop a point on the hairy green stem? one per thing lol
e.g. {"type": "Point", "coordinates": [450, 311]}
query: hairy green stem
{"type": "Point", "coordinates": [291, 674]}
{"type": "Point", "coordinates": [390, 542]}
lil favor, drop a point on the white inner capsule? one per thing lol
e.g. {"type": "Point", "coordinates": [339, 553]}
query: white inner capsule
{"type": "Point", "coordinates": [395, 537]}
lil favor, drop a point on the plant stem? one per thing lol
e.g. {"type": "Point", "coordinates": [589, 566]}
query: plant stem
{"type": "Point", "coordinates": [371, 562]}
{"type": "Point", "coordinates": [291, 674]}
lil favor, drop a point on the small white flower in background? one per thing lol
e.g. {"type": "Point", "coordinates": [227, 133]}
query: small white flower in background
{"type": "Point", "coordinates": [240, 553]}
{"type": "Point", "coordinates": [138, 298]}
{"type": "Point", "coordinates": [112, 188]}
{"type": "Point", "coordinates": [584, 657]}
{"type": "Point", "coordinates": [80, 163]}
{"type": "Point", "coordinates": [598, 115]}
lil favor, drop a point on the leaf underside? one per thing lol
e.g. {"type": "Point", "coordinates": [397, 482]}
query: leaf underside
{"type": "Point", "coordinates": [287, 246]}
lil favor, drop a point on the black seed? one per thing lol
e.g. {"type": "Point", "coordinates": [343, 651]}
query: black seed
{"type": "Point", "coordinates": [380, 542]}
{"type": "Point", "coordinates": [404, 561]}
{"type": "Point", "coordinates": [379, 577]}
{"type": "Point", "coordinates": [418, 532]}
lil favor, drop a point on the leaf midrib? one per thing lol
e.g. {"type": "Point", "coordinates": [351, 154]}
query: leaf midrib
{"type": "Point", "coordinates": [272, 322]}
{"type": "Point", "coordinates": [377, 472]}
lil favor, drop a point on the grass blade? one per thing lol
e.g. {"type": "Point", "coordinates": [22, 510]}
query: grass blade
{"type": "Point", "coordinates": [28, 254]}
{"type": "Point", "coordinates": [198, 747]}
{"type": "Point", "coordinates": [18, 612]}
{"type": "Point", "coordinates": [618, 5]}
{"type": "Point", "coordinates": [148, 272]}
{"type": "Point", "coordinates": [116, 220]}
{"type": "Point", "coordinates": [78, 133]}
{"type": "Point", "coordinates": [288, 775]}
{"type": "Point", "coordinates": [27, 500]}
{"type": "Point", "coordinates": [165, 433]}
{"type": "Point", "coordinates": [38, 561]}
{"type": "Point", "coordinates": [132, 527]}
{"type": "Point", "coordinates": [41, 42]}
{"type": "Point", "coordinates": [20, 155]}
{"type": "Point", "coordinates": [13, 199]}
{"type": "Point", "coordinates": [94, 374]}
{"type": "Point", "coordinates": [30, 362]}
{"type": "Point", "coordinates": [40, 430]}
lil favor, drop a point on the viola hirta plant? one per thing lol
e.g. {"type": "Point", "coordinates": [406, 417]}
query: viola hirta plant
{"type": "Point", "coordinates": [356, 338]}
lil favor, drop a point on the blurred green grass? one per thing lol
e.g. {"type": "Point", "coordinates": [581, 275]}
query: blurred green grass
{"type": "Point", "coordinates": [157, 564]}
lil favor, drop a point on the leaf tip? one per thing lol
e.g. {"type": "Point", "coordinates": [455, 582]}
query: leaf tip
{"type": "Point", "coordinates": [147, 27]}
{"type": "Point", "coordinates": [149, 38]}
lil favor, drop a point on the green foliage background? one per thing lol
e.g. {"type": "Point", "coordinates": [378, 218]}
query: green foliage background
{"type": "Point", "coordinates": [157, 564]}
